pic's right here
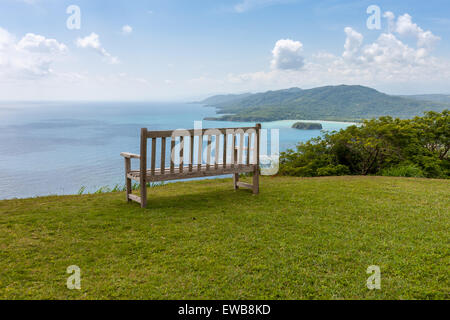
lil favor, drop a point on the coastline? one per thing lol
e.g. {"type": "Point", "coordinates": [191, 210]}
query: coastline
{"type": "Point", "coordinates": [240, 120]}
{"type": "Point", "coordinates": [230, 117]}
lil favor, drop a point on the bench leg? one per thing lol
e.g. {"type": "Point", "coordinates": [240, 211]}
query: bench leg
{"type": "Point", "coordinates": [129, 190]}
{"type": "Point", "coordinates": [256, 181]}
{"type": "Point", "coordinates": [143, 193]}
{"type": "Point", "coordinates": [236, 180]}
{"type": "Point", "coordinates": [127, 180]}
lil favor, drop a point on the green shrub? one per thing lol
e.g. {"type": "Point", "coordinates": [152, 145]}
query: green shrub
{"type": "Point", "coordinates": [416, 147]}
{"type": "Point", "coordinates": [331, 170]}
{"type": "Point", "coordinates": [410, 171]}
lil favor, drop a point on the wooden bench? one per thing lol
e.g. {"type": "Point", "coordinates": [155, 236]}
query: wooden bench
{"type": "Point", "coordinates": [241, 148]}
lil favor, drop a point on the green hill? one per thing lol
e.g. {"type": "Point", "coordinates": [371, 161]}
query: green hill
{"type": "Point", "coordinates": [298, 239]}
{"type": "Point", "coordinates": [325, 103]}
{"type": "Point", "coordinates": [441, 98]}
{"type": "Point", "coordinates": [226, 98]}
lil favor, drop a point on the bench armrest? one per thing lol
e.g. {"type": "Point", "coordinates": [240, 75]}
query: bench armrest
{"type": "Point", "coordinates": [130, 155]}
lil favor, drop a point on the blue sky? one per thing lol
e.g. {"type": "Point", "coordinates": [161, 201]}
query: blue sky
{"type": "Point", "coordinates": [175, 50]}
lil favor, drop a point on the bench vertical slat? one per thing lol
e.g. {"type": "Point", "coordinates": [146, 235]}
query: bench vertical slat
{"type": "Point", "coordinates": [234, 159]}
{"type": "Point", "coordinates": [128, 180]}
{"type": "Point", "coordinates": [225, 138]}
{"type": "Point", "coordinates": [256, 154]}
{"type": "Point", "coordinates": [208, 155]}
{"type": "Point", "coordinates": [172, 155]}
{"type": "Point", "coordinates": [257, 146]}
{"type": "Point", "coordinates": [233, 150]}
{"type": "Point", "coordinates": [255, 140]}
{"type": "Point", "coordinates": [216, 155]}
{"type": "Point", "coordinates": [153, 163]}
{"type": "Point", "coordinates": [249, 142]}
{"type": "Point", "coordinates": [191, 154]}
{"type": "Point", "coordinates": [241, 149]}
{"type": "Point", "coordinates": [143, 168]}
{"type": "Point", "coordinates": [234, 153]}
{"type": "Point", "coordinates": [163, 155]}
{"type": "Point", "coordinates": [200, 151]}
{"type": "Point", "coordinates": [181, 154]}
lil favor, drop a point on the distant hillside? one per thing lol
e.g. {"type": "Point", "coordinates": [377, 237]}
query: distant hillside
{"type": "Point", "coordinates": [350, 103]}
{"type": "Point", "coordinates": [442, 98]}
{"type": "Point", "coordinates": [224, 98]}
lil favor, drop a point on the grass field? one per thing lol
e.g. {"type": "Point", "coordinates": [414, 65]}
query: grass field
{"type": "Point", "coordinates": [299, 239]}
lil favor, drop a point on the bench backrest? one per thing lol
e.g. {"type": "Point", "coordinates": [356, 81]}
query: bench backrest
{"type": "Point", "coordinates": [240, 147]}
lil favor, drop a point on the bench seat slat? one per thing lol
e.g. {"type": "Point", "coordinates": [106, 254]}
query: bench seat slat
{"type": "Point", "coordinates": [229, 169]}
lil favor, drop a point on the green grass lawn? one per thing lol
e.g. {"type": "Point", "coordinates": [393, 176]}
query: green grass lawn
{"type": "Point", "coordinates": [299, 239]}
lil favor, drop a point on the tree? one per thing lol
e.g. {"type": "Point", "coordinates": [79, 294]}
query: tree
{"type": "Point", "coordinates": [375, 146]}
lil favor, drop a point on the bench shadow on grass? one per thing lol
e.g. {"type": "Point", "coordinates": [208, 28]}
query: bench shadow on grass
{"type": "Point", "coordinates": [203, 200]}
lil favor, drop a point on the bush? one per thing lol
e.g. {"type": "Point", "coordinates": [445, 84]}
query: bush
{"type": "Point", "coordinates": [331, 170]}
{"type": "Point", "coordinates": [410, 171]}
{"type": "Point", "coordinates": [416, 147]}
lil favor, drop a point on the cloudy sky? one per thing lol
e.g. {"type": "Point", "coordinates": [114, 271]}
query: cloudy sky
{"type": "Point", "coordinates": [177, 50]}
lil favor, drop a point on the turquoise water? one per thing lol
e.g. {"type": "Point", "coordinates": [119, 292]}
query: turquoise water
{"type": "Point", "coordinates": [55, 148]}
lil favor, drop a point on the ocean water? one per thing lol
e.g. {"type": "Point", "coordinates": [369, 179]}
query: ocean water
{"type": "Point", "coordinates": [58, 147]}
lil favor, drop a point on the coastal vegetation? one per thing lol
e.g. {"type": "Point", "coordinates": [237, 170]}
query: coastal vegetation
{"type": "Point", "coordinates": [416, 147]}
{"type": "Point", "coordinates": [338, 103]}
{"type": "Point", "coordinates": [300, 238]}
{"type": "Point", "coordinates": [442, 98]}
{"type": "Point", "coordinates": [307, 126]}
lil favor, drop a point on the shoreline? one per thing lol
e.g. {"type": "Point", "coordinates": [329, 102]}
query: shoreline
{"type": "Point", "coordinates": [223, 118]}
{"type": "Point", "coordinates": [271, 121]}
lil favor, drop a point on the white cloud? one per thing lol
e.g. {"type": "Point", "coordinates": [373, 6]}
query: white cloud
{"type": "Point", "coordinates": [388, 50]}
{"type": "Point", "coordinates": [352, 43]}
{"type": "Point", "coordinates": [287, 55]}
{"type": "Point", "coordinates": [390, 16]}
{"type": "Point", "coordinates": [405, 27]}
{"type": "Point", "coordinates": [127, 29]}
{"type": "Point", "coordinates": [30, 57]}
{"type": "Point", "coordinates": [387, 63]}
{"type": "Point", "coordinates": [93, 41]}
{"type": "Point", "coordinates": [6, 39]}
{"type": "Point", "coordinates": [37, 43]}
